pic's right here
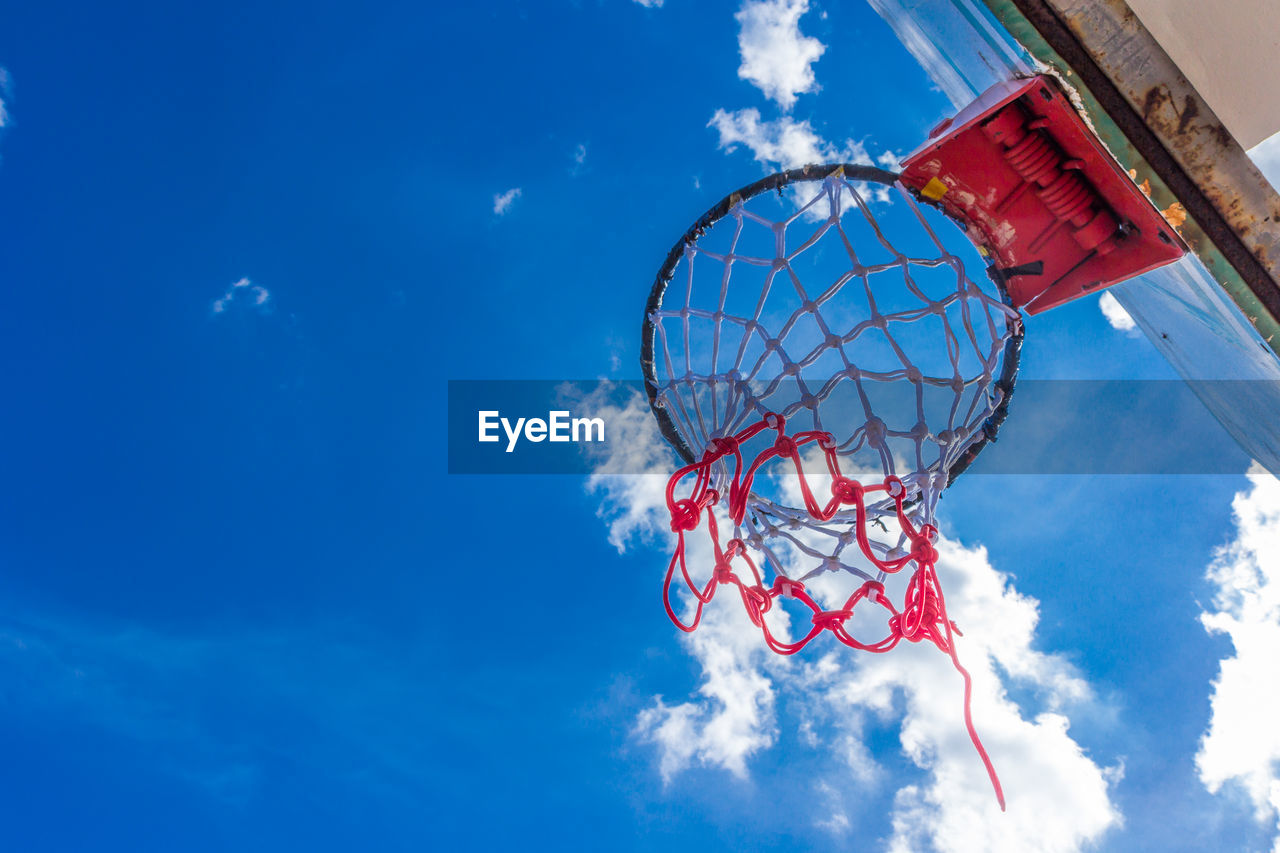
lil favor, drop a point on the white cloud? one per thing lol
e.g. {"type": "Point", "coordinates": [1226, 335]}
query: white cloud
{"type": "Point", "coordinates": [785, 143]}
{"type": "Point", "coordinates": [1058, 797]}
{"type": "Point", "coordinates": [242, 292]}
{"type": "Point", "coordinates": [1115, 313]}
{"type": "Point", "coordinates": [735, 716]}
{"type": "Point", "coordinates": [650, 4]}
{"type": "Point", "coordinates": [776, 58]}
{"type": "Point", "coordinates": [1242, 743]}
{"type": "Point", "coordinates": [502, 201]}
{"type": "Point", "coordinates": [1266, 156]}
{"type": "Point", "coordinates": [632, 478]}
{"type": "Point", "coordinates": [782, 143]}
{"type": "Point", "coordinates": [889, 160]}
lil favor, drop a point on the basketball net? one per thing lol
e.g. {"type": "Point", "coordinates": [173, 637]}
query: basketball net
{"type": "Point", "coordinates": [834, 321]}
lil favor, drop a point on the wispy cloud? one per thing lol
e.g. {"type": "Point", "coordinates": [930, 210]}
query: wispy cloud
{"type": "Point", "coordinates": [734, 716]}
{"type": "Point", "coordinates": [785, 143]}
{"type": "Point", "coordinates": [502, 201]}
{"type": "Point", "coordinates": [889, 160]}
{"type": "Point", "coordinates": [1115, 313]}
{"type": "Point", "coordinates": [6, 94]}
{"type": "Point", "coordinates": [242, 292]}
{"type": "Point", "coordinates": [579, 160]}
{"type": "Point", "coordinates": [6, 85]}
{"type": "Point", "coordinates": [1242, 743]}
{"type": "Point", "coordinates": [650, 4]}
{"type": "Point", "coordinates": [782, 143]}
{"type": "Point", "coordinates": [776, 58]}
{"type": "Point", "coordinates": [834, 818]}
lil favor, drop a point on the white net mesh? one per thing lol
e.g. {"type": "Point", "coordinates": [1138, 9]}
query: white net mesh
{"type": "Point", "coordinates": [815, 314]}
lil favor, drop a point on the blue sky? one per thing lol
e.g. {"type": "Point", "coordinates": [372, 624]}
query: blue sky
{"type": "Point", "coordinates": [242, 605]}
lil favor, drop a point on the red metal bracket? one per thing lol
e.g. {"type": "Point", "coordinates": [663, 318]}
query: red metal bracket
{"type": "Point", "coordinates": [1040, 195]}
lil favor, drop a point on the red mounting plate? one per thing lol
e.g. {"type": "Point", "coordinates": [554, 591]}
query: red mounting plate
{"type": "Point", "coordinates": [1041, 195]}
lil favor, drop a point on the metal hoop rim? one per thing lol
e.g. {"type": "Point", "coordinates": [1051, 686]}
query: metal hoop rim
{"type": "Point", "coordinates": [777, 181]}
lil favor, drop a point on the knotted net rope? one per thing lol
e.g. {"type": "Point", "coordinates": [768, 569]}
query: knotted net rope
{"type": "Point", "coordinates": [773, 311]}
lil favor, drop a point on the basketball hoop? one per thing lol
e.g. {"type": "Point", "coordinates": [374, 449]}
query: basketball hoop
{"type": "Point", "coordinates": [791, 351]}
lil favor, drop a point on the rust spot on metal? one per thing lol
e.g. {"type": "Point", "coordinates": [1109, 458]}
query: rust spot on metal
{"type": "Point", "coordinates": [1151, 103]}
{"type": "Point", "coordinates": [1175, 214]}
{"type": "Point", "coordinates": [1188, 115]}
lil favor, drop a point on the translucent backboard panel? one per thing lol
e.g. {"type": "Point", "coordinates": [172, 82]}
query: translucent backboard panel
{"type": "Point", "coordinates": [1183, 309]}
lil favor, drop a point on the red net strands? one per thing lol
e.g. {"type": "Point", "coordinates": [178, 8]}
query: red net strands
{"type": "Point", "coordinates": [923, 615]}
